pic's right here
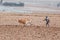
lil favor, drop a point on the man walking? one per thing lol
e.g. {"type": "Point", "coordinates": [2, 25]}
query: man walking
{"type": "Point", "coordinates": [47, 21]}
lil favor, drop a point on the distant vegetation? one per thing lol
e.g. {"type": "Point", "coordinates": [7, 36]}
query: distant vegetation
{"type": "Point", "coordinates": [58, 5]}
{"type": "Point", "coordinates": [12, 4]}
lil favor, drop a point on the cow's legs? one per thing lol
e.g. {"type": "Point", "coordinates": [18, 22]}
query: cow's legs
{"type": "Point", "coordinates": [28, 23]}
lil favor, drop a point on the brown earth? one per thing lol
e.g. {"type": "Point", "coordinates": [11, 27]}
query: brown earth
{"type": "Point", "coordinates": [10, 29]}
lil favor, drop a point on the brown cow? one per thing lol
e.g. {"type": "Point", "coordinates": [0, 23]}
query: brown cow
{"type": "Point", "coordinates": [25, 21]}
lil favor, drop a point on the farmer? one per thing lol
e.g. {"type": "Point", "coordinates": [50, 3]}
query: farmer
{"type": "Point", "coordinates": [47, 21]}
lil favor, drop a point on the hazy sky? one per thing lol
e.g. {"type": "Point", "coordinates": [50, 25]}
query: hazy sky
{"type": "Point", "coordinates": [32, 0]}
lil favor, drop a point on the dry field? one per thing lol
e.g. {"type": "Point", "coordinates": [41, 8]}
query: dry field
{"type": "Point", "coordinates": [11, 29]}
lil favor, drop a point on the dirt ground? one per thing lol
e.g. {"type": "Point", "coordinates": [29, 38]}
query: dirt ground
{"type": "Point", "coordinates": [10, 29]}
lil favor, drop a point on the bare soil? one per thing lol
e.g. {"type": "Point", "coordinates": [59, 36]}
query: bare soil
{"type": "Point", "coordinates": [10, 29]}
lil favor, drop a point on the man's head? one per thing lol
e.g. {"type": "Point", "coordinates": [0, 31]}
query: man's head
{"type": "Point", "coordinates": [46, 17]}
